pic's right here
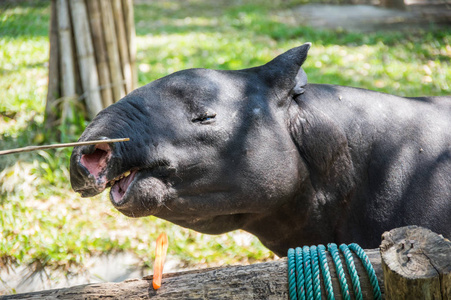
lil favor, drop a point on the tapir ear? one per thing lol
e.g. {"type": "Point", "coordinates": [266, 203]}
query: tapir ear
{"type": "Point", "coordinates": [284, 73]}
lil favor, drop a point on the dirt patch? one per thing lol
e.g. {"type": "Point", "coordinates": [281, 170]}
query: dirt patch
{"type": "Point", "coordinates": [367, 18]}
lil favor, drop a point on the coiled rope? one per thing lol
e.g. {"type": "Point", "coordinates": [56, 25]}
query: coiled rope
{"type": "Point", "coordinates": [351, 269]}
{"type": "Point", "coordinates": [292, 274]}
{"type": "Point", "coordinates": [300, 274]}
{"type": "Point", "coordinates": [304, 266]}
{"type": "Point", "coordinates": [307, 273]}
{"type": "Point", "coordinates": [369, 269]}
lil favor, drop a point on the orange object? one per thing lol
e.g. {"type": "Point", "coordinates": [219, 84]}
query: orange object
{"type": "Point", "coordinates": [160, 256]}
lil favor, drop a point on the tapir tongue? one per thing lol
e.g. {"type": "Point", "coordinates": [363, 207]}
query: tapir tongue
{"type": "Point", "coordinates": [119, 189]}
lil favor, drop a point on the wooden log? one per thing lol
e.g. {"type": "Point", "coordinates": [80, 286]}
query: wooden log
{"type": "Point", "coordinates": [85, 55]}
{"type": "Point", "coordinates": [68, 81]}
{"type": "Point", "coordinates": [122, 45]}
{"type": "Point", "coordinates": [53, 88]}
{"type": "Point", "coordinates": [112, 49]}
{"type": "Point", "coordinates": [258, 281]}
{"type": "Point", "coordinates": [101, 55]}
{"type": "Point", "coordinates": [416, 263]}
{"type": "Point", "coordinates": [127, 6]}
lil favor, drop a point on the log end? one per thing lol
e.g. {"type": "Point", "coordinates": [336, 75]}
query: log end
{"type": "Point", "coordinates": [415, 262]}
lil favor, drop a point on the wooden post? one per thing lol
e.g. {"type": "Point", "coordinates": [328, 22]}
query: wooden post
{"type": "Point", "coordinates": [416, 263]}
{"type": "Point", "coordinates": [100, 52]}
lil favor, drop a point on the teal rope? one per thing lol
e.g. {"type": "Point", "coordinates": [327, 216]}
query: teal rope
{"type": "Point", "coordinates": [300, 274]}
{"type": "Point", "coordinates": [326, 273]}
{"type": "Point", "coordinates": [369, 269]}
{"type": "Point", "coordinates": [307, 273]}
{"type": "Point", "coordinates": [292, 274]}
{"type": "Point", "coordinates": [315, 275]}
{"type": "Point", "coordinates": [302, 262]}
{"type": "Point", "coordinates": [339, 267]}
{"type": "Point", "coordinates": [352, 271]}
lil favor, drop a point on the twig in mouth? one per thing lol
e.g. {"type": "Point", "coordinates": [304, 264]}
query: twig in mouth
{"type": "Point", "coordinates": [64, 145]}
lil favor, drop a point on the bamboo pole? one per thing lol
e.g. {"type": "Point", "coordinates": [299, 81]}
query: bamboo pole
{"type": "Point", "coordinates": [66, 58]}
{"type": "Point", "coordinates": [112, 49]}
{"type": "Point", "coordinates": [129, 21]}
{"type": "Point", "coordinates": [53, 89]}
{"type": "Point", "coordinates": [122, 44]}
{"type": "Point", "coordinates": [90, 56]}
{"type": "Point", "coordinates": [85, 55]}
{"type": "Point", "coordinates": [100, 52]}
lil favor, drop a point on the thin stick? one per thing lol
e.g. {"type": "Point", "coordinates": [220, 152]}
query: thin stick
{"type": "Point", "coordinates": [43, 147]}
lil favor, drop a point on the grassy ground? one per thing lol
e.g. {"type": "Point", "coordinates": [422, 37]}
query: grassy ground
{"type": "Point", "coordinates": [44, 224]}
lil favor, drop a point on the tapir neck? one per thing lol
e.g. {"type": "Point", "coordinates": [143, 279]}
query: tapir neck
{"type": "Point", "coordinates": [368, 150]}
{"type": "Point", "coordinates": [302, 221]}
{"type": "Point", "coordinates": [336, 150]}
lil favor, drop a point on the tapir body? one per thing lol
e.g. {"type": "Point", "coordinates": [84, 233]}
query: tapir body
{"type": "Point", "coordinates": [261, 150]}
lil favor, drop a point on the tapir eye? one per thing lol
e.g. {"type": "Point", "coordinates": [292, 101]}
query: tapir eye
{"type": "Point", "coordinates": [205, 118]}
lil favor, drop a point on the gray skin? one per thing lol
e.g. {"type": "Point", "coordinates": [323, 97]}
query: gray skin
{"type": "Point", "coordinates": [260, 149]}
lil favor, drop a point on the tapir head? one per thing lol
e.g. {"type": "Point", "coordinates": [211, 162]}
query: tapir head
{"type": "Point", "coordinates": [206, 148]}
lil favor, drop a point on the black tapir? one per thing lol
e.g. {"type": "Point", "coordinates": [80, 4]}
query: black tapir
{"type": "Point", "coordinates": [260, 149]}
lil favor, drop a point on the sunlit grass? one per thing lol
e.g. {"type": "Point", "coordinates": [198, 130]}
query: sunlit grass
{"type": "Point", "coordinates": [23, 69]}
{"type": "Point", "coordinates": [44, 223]}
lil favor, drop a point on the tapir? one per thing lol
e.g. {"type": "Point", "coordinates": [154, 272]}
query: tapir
{"type": "Point", "coordinates": [263, 150]}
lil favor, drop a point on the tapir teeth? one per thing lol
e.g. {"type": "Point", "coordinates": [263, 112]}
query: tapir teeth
{"type": "Point", "coordinates": [126, 174]}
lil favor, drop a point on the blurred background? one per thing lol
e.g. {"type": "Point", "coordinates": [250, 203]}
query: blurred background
{"type": "Point", "coordinates": [50, 237]}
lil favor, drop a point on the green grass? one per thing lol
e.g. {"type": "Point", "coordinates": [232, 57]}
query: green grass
{"type": "Point", "coordinates": [44, 224]}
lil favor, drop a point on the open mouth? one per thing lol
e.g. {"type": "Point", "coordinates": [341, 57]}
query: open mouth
{"type": "Point", "coordinates": [120, 185]}
{"type": "Point", "coordinates": [93, 168]}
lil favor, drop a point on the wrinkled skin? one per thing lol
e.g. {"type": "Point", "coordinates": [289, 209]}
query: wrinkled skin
{"type": "Point", "coordinates": [261, 150]}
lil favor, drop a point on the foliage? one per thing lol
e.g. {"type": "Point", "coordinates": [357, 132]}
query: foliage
{"type": "Point", "coordinates": [45, 225]}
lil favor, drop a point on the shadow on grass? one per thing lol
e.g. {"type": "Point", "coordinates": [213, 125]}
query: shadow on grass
{"type": "Point", "coordinates": [24, 18]}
